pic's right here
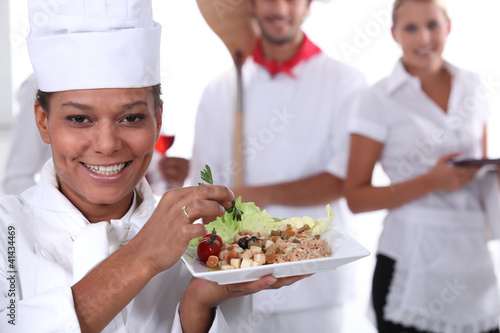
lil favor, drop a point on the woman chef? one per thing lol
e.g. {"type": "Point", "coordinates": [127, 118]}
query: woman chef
{"type": "Point", "coordinates": [85, 249]}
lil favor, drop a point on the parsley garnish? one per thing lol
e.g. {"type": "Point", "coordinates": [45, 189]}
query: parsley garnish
{"type": "Point", "coordinates": [206, 175]}
{"type": "Point", "coordinates": [236, 212]}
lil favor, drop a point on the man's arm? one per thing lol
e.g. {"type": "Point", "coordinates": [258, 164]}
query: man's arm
{"type": "Point", "coordinates": [315, 190]}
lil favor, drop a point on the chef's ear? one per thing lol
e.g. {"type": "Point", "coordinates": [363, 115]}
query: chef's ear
{"type": "Point", "coordinates": [159, 119]}
{"type": "Point", "coordinates": [42, 122]}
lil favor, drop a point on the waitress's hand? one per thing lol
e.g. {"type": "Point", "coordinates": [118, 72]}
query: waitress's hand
{"type": "Point", "coordinates": [446, 177]}
{"type": "Point", "coordinates": [197, 305]}
{"type": "Point", "coordinates": [166, 235]}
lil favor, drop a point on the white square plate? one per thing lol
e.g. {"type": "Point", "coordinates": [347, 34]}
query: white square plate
{"type": "Point", "coordinates": [345, 250]}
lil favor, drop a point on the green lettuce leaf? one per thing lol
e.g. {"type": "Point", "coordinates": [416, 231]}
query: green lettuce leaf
{"type": "Point", "coordinates": [318, 226]}
{"type": "Point", "coordinates": [256, 220]}
{"type": "Point", "coordinates": [253, 218]}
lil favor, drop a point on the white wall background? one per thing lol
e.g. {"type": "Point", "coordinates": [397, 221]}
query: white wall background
{"type": "Point", "coordinates": [5, 68]}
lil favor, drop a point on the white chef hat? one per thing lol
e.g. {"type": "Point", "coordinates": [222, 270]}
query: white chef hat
{"type": "Point", "coordinates": [82, 44]}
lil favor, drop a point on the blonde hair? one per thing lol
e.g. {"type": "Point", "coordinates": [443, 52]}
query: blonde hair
{"type": "Point", "coordinates": [398, 3]}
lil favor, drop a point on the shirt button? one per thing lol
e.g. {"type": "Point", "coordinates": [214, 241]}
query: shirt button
{"type": "Point", "coordinates": [46, 254]}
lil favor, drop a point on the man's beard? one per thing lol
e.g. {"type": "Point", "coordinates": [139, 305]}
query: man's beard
{"type": "Point", "coordinates": [277, 40]}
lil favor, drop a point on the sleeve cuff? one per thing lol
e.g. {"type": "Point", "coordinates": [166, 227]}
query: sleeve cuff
{"type": "Point", "coordinates": [368, 129]}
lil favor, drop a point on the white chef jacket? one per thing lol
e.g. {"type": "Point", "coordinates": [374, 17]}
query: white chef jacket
{"type": "Point", "coordinates": [55, 246]}
{"type": "Point", "coordinates": [429, 235]}
{"type": "Point", "coordinates": [293, 128]}
{"type": "Point", "coordinates": [28, 153]}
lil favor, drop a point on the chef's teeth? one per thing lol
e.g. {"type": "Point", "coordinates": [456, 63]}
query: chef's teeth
{"type": "Point", "coordinates": [106, 170]}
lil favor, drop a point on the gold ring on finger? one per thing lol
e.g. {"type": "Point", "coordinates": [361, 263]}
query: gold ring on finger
{"type": "Point", "coordinates": [187, 215]}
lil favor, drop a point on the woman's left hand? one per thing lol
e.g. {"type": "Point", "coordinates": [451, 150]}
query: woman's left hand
{"type": "Point", "coordinates": [201, 297]}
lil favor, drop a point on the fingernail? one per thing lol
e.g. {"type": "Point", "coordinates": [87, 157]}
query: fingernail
{"type": "Point", "coordinates": [232, 193]}
{"type": "Point", "coordinates": [271, 282]}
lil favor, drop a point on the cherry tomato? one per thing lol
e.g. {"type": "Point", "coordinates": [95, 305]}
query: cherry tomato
{"type": "Point", "coordinates": [210, 245]}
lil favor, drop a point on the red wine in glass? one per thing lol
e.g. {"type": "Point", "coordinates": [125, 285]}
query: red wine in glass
{"type": "Point", "coordinates": [164, 143]}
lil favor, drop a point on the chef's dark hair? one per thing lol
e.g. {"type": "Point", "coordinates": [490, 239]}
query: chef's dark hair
{"type": "Point", "coordinates": [43, 97]}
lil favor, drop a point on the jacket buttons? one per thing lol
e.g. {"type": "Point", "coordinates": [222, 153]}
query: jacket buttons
{"type": "Point", "coordinates": [42, 252]}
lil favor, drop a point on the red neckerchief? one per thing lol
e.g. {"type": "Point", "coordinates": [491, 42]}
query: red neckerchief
{"type": "Point", "coordinates": [305, 51]}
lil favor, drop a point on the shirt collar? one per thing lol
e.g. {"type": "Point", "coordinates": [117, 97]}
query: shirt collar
{"type": "Point", "coordinates": [61, 232]}
{"type": "Point", "coordinates": [306, 50]}
{"type": "Point", "coordinates": [133, 207]}
{"type": "Point", "coordinates": [400, 76]}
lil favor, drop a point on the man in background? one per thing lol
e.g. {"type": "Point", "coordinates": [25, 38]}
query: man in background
{"type": "Point", "coordinates": [297, 101]}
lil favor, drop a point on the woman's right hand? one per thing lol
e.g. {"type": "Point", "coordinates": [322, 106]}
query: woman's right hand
{"type": "Point", "coordinates": [166, 235]}
{"type": "Point", "coordinates": [446, 177]}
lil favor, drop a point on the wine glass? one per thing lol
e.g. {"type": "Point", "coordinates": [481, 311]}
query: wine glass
{"type": "Point", "coordinates": [164, 143]}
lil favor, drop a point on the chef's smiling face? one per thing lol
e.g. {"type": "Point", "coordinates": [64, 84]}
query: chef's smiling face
{"type": "Point", "coordinates": [421, 29]}
{"type": "Point", "coordinates": [102, 143]}
{"type": "Point", "coordinates": [280, 20]}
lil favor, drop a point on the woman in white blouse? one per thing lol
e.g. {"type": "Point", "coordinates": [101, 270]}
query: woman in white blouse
{"type": "Point", "coordinates": [434, 272]}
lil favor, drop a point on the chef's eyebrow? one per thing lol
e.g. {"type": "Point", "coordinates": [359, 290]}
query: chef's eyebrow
{"type": "Point", "coordinates": [85, 107]}
{"type": "Point", "coordinates": [134, 104]}
{"type": "Point", "coordinates": [78, 106]}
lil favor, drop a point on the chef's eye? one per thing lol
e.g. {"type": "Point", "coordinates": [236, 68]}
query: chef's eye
{"type": "Point", "coordinates": [133, 118]}
{"type": "Point", "coordinates": [78, 119]}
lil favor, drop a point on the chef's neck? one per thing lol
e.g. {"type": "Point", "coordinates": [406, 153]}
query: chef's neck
{"type": "Point", "coordinates": [282, 52]}
{"type": "Point", "coordinates": [99, 213]}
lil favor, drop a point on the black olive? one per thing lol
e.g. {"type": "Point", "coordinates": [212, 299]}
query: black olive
{"type": "Point", "coordinates": [254, 239]}
{"type": "Point", "coordinates": [243, 242]}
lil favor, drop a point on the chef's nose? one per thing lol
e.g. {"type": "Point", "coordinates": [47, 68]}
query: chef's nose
{"type": "Point", "coordinates": [106, 139]}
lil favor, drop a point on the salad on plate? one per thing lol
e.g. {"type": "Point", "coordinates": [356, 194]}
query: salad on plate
{"type": "Point", "coordinates": [247, 243]}
{"type": "Point", "coordinates": [259, 239]}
